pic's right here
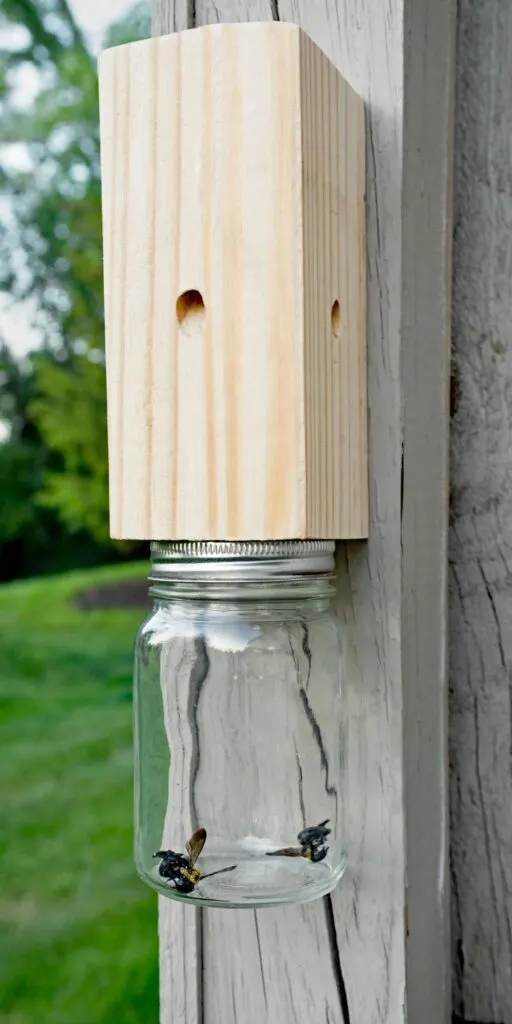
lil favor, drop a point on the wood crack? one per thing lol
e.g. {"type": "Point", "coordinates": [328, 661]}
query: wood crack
{"type": "Point", "coordinates": [300, 778]}
{"type": "Point", "coordinates": [200, 963]}
{"type": "Point", "coordinates": [504, 886]}
{"type": "Point", "coordinates": [310, 714]}
{"type": "Point", "coordinates": [335, 959]}
{"type": "Point", "coordinates": [216, 12]}
{"type": "Point", "coordinates": [258, 941]}
{"type": "Point", "coordinates": [485, 823]}
{"type": "Point", "coordinates": [459, 964]}
{"type": "Point", "coordinates": [402, 484]}
{"type": "Point", "coordinates": [495, 615]}
{"type": "Point", "coordinates": [198, 676]}
{"type": "Point", "coordinates": [501, 649]}
{"type": "Point", "coordinates": [317, 733]}
{"type": "Point", "coordinates": [307, 651]}
{"type": "Point", "coordinates": [464, 1020]}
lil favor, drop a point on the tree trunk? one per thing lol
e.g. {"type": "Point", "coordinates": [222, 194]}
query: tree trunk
{"type": "Point", "coordinates": [377, 951]}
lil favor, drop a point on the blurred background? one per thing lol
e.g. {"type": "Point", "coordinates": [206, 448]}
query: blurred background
{"type": "Point", "coordinates": [78, 941]}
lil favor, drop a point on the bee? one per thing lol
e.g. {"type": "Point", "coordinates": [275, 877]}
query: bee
{"type": "Point", "coordinates": [312, 844]}
{"type": "Point", "coordinates": [180, 869]}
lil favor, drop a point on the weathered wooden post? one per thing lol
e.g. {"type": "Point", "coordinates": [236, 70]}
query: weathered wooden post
{"type": "Point", "coordinates": [376, 950]}
{"type": "Point", "coordinates": [480, 520]}
{"type": "Point", "coordinates": [381, 943]}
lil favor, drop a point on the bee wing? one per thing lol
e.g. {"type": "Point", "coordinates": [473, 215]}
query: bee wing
{"type": "Point", "coordinates": [195, 845]}
{"type": "Point", "coordinates": [288, 851]}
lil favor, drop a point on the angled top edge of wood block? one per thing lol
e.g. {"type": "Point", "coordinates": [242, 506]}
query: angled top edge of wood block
{"type": "Point", "coordinates": [278, 29]}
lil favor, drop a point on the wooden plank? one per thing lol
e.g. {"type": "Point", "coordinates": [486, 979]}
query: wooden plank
{"type": "Point", "coordinates": [269, 965]}
{"type": "Point", "coordinates": [207, 13]}
{"type": "Point", "coordinates": [179, 927]}
{"type": "Point", "coordinates": [384, 963]}
{"type": "Point", "coordinates": [232, 236]}
{"type": "Point", "coordinates": [171, 16]}
{"type": "Point", "coordinates": [424, 369]}
{"type": "Point", "coordinates": [260, 740]}
{"type": "Point", "coordinates": [481, 524]}
{"type": "Point", "coordinates": [425, 355]}
{"type": "Point", "coordinates": [272, 964]}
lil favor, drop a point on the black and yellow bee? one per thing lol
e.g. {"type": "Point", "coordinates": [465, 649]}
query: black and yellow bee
{"type": "Point", "coordinates": [312, 844]}
{"type": "Point", "coordinates": [180, 870]}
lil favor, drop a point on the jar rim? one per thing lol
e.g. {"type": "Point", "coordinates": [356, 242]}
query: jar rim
{"type": "Point", "coordinates": [241, 560]}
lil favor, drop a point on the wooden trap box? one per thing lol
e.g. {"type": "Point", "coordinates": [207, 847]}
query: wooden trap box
{"type": "Point", "coordinates": [234, 241]}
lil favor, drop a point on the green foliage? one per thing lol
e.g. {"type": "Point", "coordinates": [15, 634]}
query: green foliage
{"type": "Point", "coordinates": [51, 257]}
{"type": "Point", "coordinates": [74, 395]}
{"type": "Point", "coordinates": [16, 390]}
{"type": "Point", "coordinates": [22, 463]}
{"type": "Point", "coordinates": [135, 25]}
{"type": "Point", "coordinates": [32, 538]}
{"type": "Point", "coordinates": [78, 931]}
{"type": "Point", "coordinates": [19, 464]}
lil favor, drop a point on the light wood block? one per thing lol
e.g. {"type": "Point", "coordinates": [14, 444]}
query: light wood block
{"type": "Point", "coordinates": [234, 242]}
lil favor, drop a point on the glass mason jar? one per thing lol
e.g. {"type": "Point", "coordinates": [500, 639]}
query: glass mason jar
{"type": "Point", "coordinates": [240, 725]}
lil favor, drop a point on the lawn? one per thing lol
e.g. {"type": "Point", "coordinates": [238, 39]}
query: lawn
{"type": "Point", "coordinates": [77, 928]}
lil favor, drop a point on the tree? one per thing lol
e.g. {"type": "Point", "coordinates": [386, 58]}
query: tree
{"type": "Point", "coordinates": [22, 454]}
{"type": "Point", "coordinates": [77, 485]}
{"type": "Point", "coordinates": [32, 538]}
{"type": "Point", "coordinates": [50, 249]}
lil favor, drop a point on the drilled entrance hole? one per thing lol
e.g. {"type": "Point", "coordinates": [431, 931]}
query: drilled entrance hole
{"type": "Point", "coordinates": [190, 308]}
{"type": "Point", "coordinates": [336, 320]}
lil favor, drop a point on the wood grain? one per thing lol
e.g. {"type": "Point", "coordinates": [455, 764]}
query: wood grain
{"type": "Point", "coordinates": [179, 927]}
{"type": "Point", "coordinates": [481, 523]}
{"type": "Point", "coordinates": [394, 959]}
{"type": "Point", "coordinates": [235, 741]}
{"type": "Point", "coordinates": [171, 16]}
{"type": "Point", "coordinates": [234, 167]}
{"type": "Point", "coordinates": [335, 369]}
{"type": "Point", "coordinates": [425, 368]}
{"type": "Point", "coordinates": [276, 963]}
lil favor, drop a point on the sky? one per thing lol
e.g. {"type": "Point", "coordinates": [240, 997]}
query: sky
{"type": "Point", "coordinates": [94, 16]}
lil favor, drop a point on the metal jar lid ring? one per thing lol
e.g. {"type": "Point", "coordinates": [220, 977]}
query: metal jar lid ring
{"type": "Point", "coordinates": [239, 560]}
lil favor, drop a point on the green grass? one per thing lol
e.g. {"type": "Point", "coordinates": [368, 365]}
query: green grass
{"type": "Point", "coordinates": [77, 928]}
